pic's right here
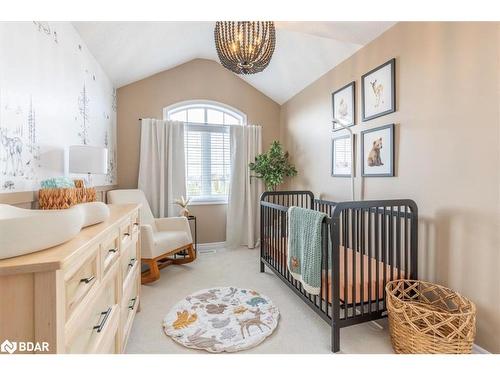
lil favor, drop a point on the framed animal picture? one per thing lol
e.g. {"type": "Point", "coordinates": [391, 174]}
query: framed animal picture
{"type": "Point", "coordinates": [344, 105]}
{"type": "Point", "coordinates": [341, 156]}
{"type": "Point", "coordinates": [378, 91]}
{"type": "Point", "coordinates": [377, 152]}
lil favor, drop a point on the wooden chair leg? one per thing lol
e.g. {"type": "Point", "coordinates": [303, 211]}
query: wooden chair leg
{"type": "Point", "coordinates": [156, 264]}
{"type": "Point", "coordinates": [191, 252]}
{"type": "Point", "coordinates": [152, 274]}
{"type": "Point", "coordinates": [155, 271]}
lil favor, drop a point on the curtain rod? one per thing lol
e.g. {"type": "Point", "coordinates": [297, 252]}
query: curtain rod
{"type": "Point", "coordinates": [203, 123]}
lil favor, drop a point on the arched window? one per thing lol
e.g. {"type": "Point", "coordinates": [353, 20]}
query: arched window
{"type": "Point", "coordinates": [207, 147]}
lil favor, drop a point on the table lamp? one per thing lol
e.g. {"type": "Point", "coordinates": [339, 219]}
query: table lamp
{"type": "Point", "coordinates": [89, 160]}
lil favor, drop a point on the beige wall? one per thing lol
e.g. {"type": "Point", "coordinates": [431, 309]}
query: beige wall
{"type": "Point", "coordinates": [447, 150]}
{"type": "Point", "coordinates": [197, 79]}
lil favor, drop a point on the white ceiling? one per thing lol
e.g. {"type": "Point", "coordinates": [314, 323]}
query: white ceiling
{"type": "Point", "coordinates": [130, 51]}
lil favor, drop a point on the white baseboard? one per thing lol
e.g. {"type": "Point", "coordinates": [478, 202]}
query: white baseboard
{"type": "Point", "coordinates": [210, 246]}
{"type": "Point", "coordinates": [476, 349]}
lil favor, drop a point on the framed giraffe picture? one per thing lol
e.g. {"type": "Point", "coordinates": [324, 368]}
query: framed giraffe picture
{"type": "Point", "coordinates": [378, 91]}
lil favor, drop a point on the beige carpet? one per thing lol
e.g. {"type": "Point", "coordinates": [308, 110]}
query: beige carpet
{"type": "Point", "coordinates": [300, 330]}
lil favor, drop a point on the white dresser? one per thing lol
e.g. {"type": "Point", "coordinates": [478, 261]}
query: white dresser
{"type": "Point", "coordinates": [79, 297]}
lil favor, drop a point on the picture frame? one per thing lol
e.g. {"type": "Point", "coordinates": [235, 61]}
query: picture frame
{"type": "Point", "coordinates": [378, 91]}
{"type": "Point", "coordinates": [378, 152]}
{"type": "Point", "coordinates": [344, 105]}
{"type": "Point", "coordinates": [341, 156]}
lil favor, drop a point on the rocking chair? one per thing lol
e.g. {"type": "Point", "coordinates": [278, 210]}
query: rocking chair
{"type": "Point", "coordinates": [161, 238]}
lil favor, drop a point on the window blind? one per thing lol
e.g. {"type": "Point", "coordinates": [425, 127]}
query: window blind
{"type": "Point", "coordinates": [208, 161]}
{"type": "Point", "coordinates": [207, 147]}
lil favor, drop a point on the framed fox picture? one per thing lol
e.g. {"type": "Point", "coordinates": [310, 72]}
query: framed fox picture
{"type": "Point", "coordinates": [377, 152]}
{"type": "Point", "coordinates": [378, 91]}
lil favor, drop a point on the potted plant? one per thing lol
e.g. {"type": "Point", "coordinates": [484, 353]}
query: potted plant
{"type": "Point", "coordinates": [273, 166]}
{"type": "Point", "coordinates": [183, 203]}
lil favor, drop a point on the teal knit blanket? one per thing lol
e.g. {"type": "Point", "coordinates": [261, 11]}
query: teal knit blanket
{"type": "Point", "coordinates": [304, 247]}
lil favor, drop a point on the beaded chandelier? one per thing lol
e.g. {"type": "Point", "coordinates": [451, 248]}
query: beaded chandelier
{"type": "Point", "coordinates": [245, 47]}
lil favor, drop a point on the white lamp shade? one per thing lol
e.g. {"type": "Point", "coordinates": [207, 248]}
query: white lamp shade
{"type": "Point", "coordinates": [88, 159]}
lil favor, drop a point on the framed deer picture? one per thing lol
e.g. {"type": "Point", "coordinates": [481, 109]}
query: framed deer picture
{"type": "Point", "coordinates": [377, 152]}
{"type": "Point", "coordinates": [378, 91]}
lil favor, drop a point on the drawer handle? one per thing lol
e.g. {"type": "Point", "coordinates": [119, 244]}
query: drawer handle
{"type": "Point", "coordinates": [126, 235]}
{"type": "Point", "coordinates": [136, 224]}
{"type": "Point", "coordinates": [132, 305]}
{"type": "Point", "coordinates": [100, 326]}
{"type": "Point", "coordinates": [112, 250]}
{"type": "Point", "coordinates": [132, 262]}
{"type": "Point", "coordinates": [87, 279]}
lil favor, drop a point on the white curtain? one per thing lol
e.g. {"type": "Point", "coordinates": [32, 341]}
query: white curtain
{"type": "Point", "coordinates": [242, 224]}
{"type": "Point", "coordinates": [162, 174]}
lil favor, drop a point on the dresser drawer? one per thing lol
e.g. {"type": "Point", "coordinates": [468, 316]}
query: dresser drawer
{"type": "Point", "coordinates": [79, 281]}
{"type": "Point", "coordinates": [130, 304]}
{"type": "Point", "coordinates": [129, 259]}
{"type": "Point", "coordinates": [109, 251]}
{"type": "Point", "coordinates": [98, 324]}
{"type": "Point", "coordinates": [130, 300]}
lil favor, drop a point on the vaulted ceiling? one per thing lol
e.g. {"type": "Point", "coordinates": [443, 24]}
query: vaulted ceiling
{"type": "Point", "coordinates": [130, 51]}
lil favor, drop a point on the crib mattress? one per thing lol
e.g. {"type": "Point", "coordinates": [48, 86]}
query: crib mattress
{"type": "Point", "coordinates": [354, 283]}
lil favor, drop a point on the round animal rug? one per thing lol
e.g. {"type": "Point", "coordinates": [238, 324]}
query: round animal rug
{"type": "Point", "coordinates": [222, 319]}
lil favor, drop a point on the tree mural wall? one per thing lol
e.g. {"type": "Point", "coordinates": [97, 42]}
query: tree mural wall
{"type": "Point", "coordinates": [46, 107]}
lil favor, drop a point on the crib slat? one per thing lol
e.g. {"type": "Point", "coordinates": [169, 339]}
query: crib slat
{"type": "Point", "coordinates": [278, 241]}
{"type": "Point", "coordinates": [327, 273]}
{"type": "Point", "coordinates": [284, 265]}
{"type": "Point", "coordinates": [414, 245]}
{"type": "Point", "coordinates": [362, 255]}
{"type": "Point", "coordinates": [384, 253]}
{"type": "Point", "coordinates": [377, 258]}
{"type": "Point", "coordinates": [264, 234]}
{"type": "Point", "coordinates": [272, 226]}
{"type": "Point", "coordinates": [370, 263]}
{"type": "Point", "coordinates": [406, 261]}
{"type": "Point", "coordinates": [285, 245]}
{"type": "Point", "coordinates": [354, 218]}
{"type": "Point", "coordinates": [264, 228]}
{"type": "Point", "coordinates": [391, 243]}
{"type": "Point", "coordinates": [398, 242]}
{"type": "Point", "coordinates": [346, 244]}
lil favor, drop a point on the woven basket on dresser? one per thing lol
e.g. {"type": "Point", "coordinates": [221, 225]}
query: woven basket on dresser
{"type": "Point", "coordinates": [429, 318]}
{"type": "Point", "coordinates": [51, 199]}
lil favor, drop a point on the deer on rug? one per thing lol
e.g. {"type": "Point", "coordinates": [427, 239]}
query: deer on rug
{"type": "Point", "coordinates": [255, 321]}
